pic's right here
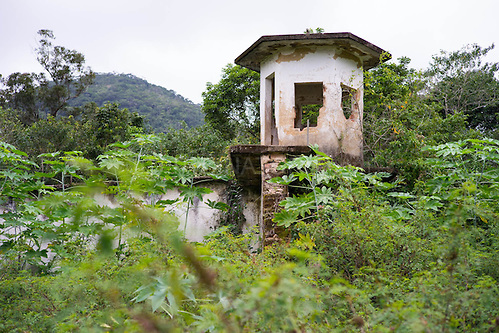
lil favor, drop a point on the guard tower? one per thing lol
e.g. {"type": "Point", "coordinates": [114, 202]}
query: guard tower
{"type": "Point", "coordinates": [311, 92]}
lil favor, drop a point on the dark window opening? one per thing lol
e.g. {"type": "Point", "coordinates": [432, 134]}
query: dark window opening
{"type": "Point", "coordinates": [349, 103]}
{"type": "Point", "coordinates": [274, 139]}
{"type": "Point", "coordinates": [309, 99]}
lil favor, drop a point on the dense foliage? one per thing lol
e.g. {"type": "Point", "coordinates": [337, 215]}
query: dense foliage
{"type": "Point", "coordinates": [96, 128]}
{"type": "Point", "coordinates": [463, 82]}
{"type": "Point", "coordinates": [76, 109]}
{"type": "Point", "coordinates": [359, 253]}
{"type": "Point", "coordinates": [411, 251]}
{"type": "Point", "coordinates": [232, 106]}
{"type": "Point", "coordinates": [160, 107]}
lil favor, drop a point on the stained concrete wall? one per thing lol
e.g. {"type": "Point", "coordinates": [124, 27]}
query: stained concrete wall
{"type": "Point", "coordinates": [198, 220]}
{"type": "Point", "coordinates": [335, 135]}
{"type": "Point", "coordinates": [201, 219]}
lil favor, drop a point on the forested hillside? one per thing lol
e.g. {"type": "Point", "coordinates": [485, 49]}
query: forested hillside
{"type": "Point", "coordinates": [69, 107]}
{"type": "Point", "coordinates": [162, 108]}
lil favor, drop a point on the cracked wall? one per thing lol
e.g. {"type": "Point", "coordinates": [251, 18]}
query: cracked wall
{"type": "Point", "coordinates": [337, 132]}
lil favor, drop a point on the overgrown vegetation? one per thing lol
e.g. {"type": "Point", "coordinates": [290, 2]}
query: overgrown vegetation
{"type": "Point", "coordinates": [360, 253]}
{"type": "Point", "coordinates": [232, 106]}
{"type": "Point", "coordinates": [76, 109]}
{"type": "Point", "coordinates": [411, 252]}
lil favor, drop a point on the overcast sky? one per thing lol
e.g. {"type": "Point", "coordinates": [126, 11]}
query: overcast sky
{"type": "Point", "coordinates": [183, 44]}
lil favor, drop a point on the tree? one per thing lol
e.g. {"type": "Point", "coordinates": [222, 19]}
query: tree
{"type": "Point", "coordinates": [10, 127]}
{"type": "Point", "coordinates": [67, 70]}
{"type": "Point", "coordinates": [201, 141]}
{"type": "Point", "coordinates": [462, 82]}
{"type": "Point", "coordinates": [49, 135]}
{"type": "Point", "coordinates": [33, 95]}
{"type": "Point", "coordinates": [21, 94]}
{"type": "Point", "coordinates": [102, 126]}
{"type": "Point", "coordinates": [232, 105]}
{"type": "Point", "coordinates": [400, 119]}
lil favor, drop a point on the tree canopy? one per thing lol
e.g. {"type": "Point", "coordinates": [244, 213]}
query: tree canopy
{"type": "Point", "coordinates": [43, 114]}
{"type": "Point", "coordinates": [34, 96]}
{"type": "Point", "coordinates": [232, 105]}
{"type": "Point", "coordinates": [161, 108]}
{"type": "Point", "coordinates": [67, 71]}
{"type": "Point", "coordinates": [461, 81]}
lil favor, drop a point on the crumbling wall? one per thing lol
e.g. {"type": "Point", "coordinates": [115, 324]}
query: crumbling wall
{"type": "Point", "coordinates": [338, 133]}
{"type": "Point", "coordinates": [272, 195]}
{"type": "Point", "coordinates": [200, 220]}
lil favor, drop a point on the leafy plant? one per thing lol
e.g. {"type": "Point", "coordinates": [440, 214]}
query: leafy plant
{"type": "Point", "coordinates": [465, 178]}
{"type": "Point", "coordinates": [362, 253]}
{"type": "Point", "coordinates": [321, 184]}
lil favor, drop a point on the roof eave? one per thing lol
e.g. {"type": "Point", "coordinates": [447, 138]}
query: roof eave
{"type": "Point", "coordinates": [245, 58]}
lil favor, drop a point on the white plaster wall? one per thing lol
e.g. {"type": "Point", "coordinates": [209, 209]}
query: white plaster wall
{"type": "Point", "coordinates": [251, 210]}
{"type": "Point", "coordinates": [315, 64]}
{"type": "Point", "coordinates": [201, 219]}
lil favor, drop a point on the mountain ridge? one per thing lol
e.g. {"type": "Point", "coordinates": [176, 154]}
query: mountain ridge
{"type": "Point", "coordinates": [162, 108]}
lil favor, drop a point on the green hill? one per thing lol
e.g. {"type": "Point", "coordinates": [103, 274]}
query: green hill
{"type": "Point", "coordinates": [161, 107]}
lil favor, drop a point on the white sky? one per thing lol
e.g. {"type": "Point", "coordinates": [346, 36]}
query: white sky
{"type": "Point", "coordinates": [183, 44]}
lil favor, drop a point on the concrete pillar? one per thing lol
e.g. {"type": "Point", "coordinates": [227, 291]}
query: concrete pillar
{"type": "Point", "coordinates": [272, 195]}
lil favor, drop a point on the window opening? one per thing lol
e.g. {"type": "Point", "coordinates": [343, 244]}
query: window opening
{"type": "Point", "coordinates": [309, 100]}
{"type": "Point", "coordinates": [274, 139]}
{"type": "Point", "coordinates": [349, 103]}
{"type": "Point", "coordinates": [270, 136]}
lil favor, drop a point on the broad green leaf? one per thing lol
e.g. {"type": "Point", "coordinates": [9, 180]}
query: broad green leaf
{"type": "Point", "coordinates": [111, 163]}
{"type": "Point", "coordinates": [324, 195]}
{"type": "Point", "coordinates": [285, 218]}
{"type": "Point", "coordinates": [217, 205]}
{"type": "Point", "coordinates": [301, 205]}
{"type": "Point", "coordinates": [284, 180]}
{"type": "Point", "coordinates": [182, 175]}
{"type": "Point", "coordinates": [157, 299]}
{"type": "Point", "coordinates": [401, 213]}
{"type": "Point", "coordinates": [189, 193]}
{"type": "Point", "coordinates": [202, 163]}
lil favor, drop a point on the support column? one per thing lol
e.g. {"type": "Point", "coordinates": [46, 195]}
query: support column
{"type": "Point", "coordinates": [272, 195]}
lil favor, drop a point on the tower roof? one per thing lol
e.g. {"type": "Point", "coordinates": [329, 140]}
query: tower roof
{"type": "Point", "coordinates": [368, 53]}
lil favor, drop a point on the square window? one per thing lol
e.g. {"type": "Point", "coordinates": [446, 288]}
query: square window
{"type": "Point", "coordinates": [309, 99]}
{"type": "Point", "coordinates": [349, 102]}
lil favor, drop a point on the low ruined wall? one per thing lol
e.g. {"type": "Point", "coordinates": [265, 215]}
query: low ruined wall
{"type": "Point", "coordinates": [200, 220]}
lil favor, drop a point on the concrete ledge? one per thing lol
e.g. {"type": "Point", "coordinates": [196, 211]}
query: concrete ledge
{"type": "Point", "coordinates": [247, 165]}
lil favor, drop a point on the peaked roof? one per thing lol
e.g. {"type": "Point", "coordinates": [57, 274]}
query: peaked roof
{"type": "Point", "coordinates": [367, 52]}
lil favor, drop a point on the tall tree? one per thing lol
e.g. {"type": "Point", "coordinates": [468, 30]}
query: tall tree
{"type": "Point", "coordinates": [463, 82]}
{"type": "Point", "coordinates": [102, 126]}
{"type": "Point", "coordinates": [232, 105]}
{"type": "Point", "coordinates": [67, 71]}
{"type": "Point", "coordinates": [34, 95]}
